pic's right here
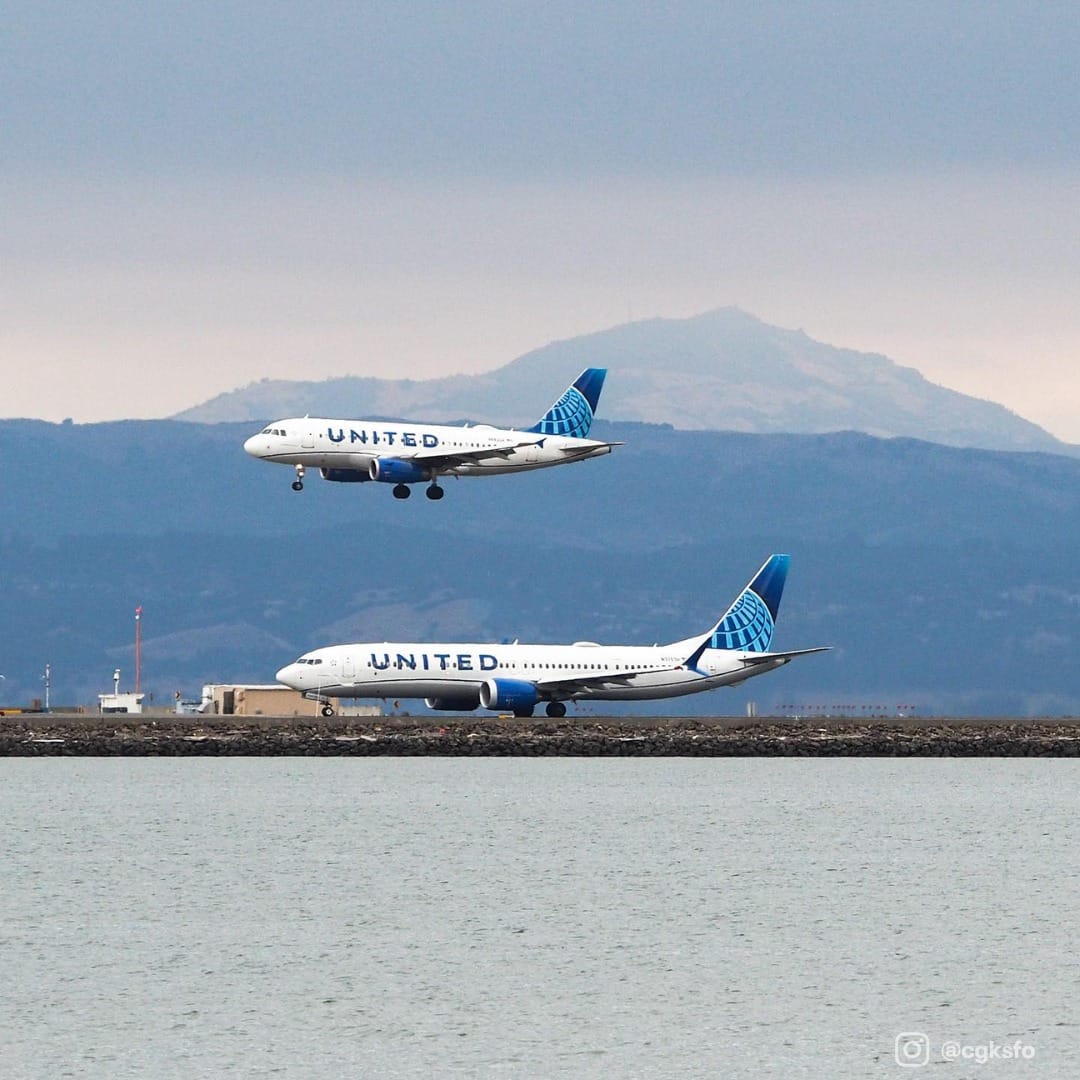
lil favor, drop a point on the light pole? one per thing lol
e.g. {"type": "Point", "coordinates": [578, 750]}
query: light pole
{"type": "Point", "coordinates": [48, 672]}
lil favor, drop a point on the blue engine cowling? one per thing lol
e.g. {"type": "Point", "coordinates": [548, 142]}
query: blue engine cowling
{"type": "Point", "coordinates": [508, 694]}
{"type": "Point", "coordinates": [453, 703]}
{"type": "Point", "coordinates": [391, 470]}
{"type": "Point", "coordinates": [345, 476]}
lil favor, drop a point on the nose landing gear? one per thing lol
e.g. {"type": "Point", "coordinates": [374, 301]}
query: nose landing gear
{"type": "Point", "coordinates": [298, 483]}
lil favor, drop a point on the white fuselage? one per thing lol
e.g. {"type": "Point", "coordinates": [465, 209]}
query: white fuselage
{"type": "Point", "coordinates": [322, 443]}
{"type": "Point", "coordinates": [582, 671]}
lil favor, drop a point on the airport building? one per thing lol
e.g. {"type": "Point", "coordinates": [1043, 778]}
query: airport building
{"type": "Point", "coordinates": [230, 699]}
{"type": "Point", "coordinates": [271, 699]}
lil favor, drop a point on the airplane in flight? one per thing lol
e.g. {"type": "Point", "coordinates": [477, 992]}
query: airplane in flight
{"type": "Point", "coordinates": [399, 453]}
{"type": "Point", "coordinates": [516, 678]}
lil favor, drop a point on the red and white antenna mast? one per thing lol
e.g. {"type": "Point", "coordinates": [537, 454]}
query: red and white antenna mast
{"type": "Point", "coordinates": [138, 647]}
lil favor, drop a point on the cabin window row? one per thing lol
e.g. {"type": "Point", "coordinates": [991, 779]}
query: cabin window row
{"type": "Point", "coordinates": [523, 667]}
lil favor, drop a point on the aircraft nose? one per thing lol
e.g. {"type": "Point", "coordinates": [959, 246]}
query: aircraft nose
{"type": "Point", "coordinates": [252, 446]}
{"type": "Point", "coordinates": [287, 675]}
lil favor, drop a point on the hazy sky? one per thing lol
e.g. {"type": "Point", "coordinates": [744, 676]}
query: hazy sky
{"type": "Point", "coordinates": [194, 196]}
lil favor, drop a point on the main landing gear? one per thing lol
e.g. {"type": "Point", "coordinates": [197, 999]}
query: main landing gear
{"type": "Point", "coordinates": [555, 709]}
{"type": "Point", "coordinates": [401, 491]}
{"type": "Point", "coordinates": [298, 483]}
{"type": "Point", "coordinates": [328, 710]}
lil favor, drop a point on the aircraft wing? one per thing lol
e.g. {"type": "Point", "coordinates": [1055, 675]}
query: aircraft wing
{"type": "Point", "coordinates": [608, 681]}
{"type": "Point", "coordinates": [435, 456]}
{"type": "Point", "coordinates": [464, 457]}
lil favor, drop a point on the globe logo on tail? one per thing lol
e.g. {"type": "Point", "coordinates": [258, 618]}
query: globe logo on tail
{"type": "Point", "coordinates": [571, 415]}
{"type": "Point", "coordinates": [747, 626]}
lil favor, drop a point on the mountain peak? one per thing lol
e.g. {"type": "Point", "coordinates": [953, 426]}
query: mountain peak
{"type": "Point", "coordinates": [723, 369]}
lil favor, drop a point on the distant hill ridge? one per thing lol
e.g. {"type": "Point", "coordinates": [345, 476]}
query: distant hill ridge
{"type": "Point", "coordinates": [724, 370]}
{"type": "Point", "coordinates": [943, 577]}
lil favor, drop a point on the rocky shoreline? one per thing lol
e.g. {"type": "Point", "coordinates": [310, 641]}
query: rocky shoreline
{"type": "Point", "coordinates": [219, 736]}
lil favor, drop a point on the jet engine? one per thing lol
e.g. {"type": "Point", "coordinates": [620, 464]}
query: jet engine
{"type": "Point", "coordinates": [453, 703]}
{"type": "Point", "coordinates": [345, 476]}
{"type": "Point", "coordinates": [512, 694]}
{"type": "Point", "coordinates": [397, 471]}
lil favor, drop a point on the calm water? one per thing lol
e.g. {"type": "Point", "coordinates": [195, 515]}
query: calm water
{"type": "Point", "coordinates": [524, 918]}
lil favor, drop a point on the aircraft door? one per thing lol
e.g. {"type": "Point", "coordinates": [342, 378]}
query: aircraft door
{"type": "Point", "coordinates": [348, 668]}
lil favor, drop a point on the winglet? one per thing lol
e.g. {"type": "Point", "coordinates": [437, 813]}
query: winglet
{"type": "Point", "coordinates": [572, 414]}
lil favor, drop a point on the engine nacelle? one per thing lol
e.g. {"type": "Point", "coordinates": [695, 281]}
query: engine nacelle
{"type": "Point", "coordinates": [345, 476]}
{"type": "Point", "coordinates": [453, 703]}
{"type": "Point", "coordinates": [508, 694]}
{"type": "Point", "coordinates": [392, 470]}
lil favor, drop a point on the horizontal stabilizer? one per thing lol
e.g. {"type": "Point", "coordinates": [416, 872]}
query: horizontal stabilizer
{"type": "Point", "coordinates": [592, 444]}
{"type": "Point", "coordinates": [768, 657]}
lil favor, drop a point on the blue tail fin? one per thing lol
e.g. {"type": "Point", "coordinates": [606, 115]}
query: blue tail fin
{"type": "Point", "coordinates": [748, 624]}
{"type": "Point", "coordinates": [572, 414]}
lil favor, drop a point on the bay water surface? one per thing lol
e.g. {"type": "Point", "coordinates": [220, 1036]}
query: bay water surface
{"type": "Point", "coordinates": [427, 917]}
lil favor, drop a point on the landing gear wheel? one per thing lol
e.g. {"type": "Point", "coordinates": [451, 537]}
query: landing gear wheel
{"type": "Point", "coordinates": [555, 709]}
{"type": "Point", "coordinates": [328, 710]}
{"type": "Point", "coordinates": [435, 492]}
{"type": "Point", "coordinates": [523, 712]}
{"type": "Point", "coordinates": [298, 485]}
{"type": "Point", "coordinates": [401, 491]}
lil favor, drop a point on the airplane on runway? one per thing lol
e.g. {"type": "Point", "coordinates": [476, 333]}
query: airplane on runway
{"type": "Point", "coordinates": [516, 678]}
{"type": "Point", "coordinates": [400, 453]}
